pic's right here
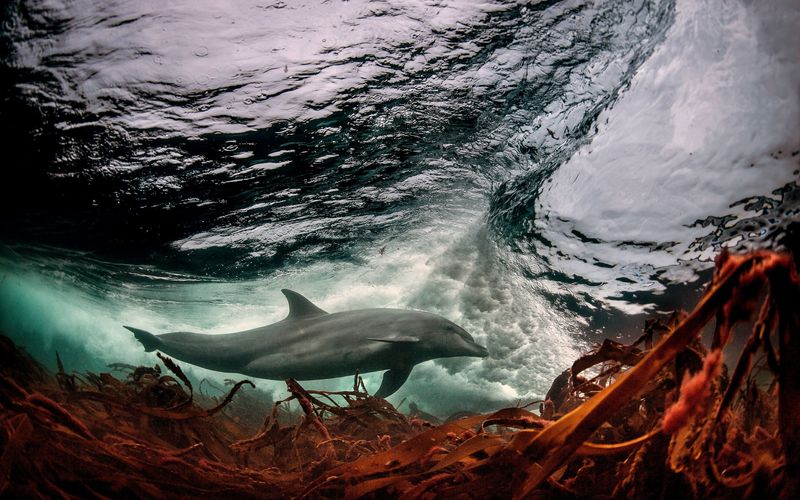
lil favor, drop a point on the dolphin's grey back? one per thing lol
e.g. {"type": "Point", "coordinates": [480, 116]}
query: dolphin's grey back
{"type": "Point", "coordinates": [310, 344]}
{"type": "Point", "coordinates": [304, 347]}
{"type": "Point", "coordinates": [300, 346]}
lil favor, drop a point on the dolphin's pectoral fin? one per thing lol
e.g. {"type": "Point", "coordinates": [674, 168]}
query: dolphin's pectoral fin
{"type": "Point", "coordinates": [396, 340]}
{"type": "Point", "coordinates": [392, 380]}
{"type": "Point", "coordinates": [300, 307]}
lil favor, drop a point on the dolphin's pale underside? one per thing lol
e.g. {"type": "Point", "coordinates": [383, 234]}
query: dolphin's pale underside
{"type": "Point", "coordinates": [311, 344]}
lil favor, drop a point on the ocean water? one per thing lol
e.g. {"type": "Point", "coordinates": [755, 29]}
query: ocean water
{"type": "Point", "coordinates": [541, 173]}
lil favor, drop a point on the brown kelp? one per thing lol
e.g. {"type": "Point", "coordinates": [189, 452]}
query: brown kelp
{"type": "Point", "coordinates": [659, 417]}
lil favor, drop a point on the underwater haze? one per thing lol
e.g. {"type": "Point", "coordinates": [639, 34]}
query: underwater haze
{"type": "Point", "coordinates": [540, 173]}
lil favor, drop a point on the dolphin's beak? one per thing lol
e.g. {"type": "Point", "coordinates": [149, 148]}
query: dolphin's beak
{"type": "Point", "coordinates": [480, 351]}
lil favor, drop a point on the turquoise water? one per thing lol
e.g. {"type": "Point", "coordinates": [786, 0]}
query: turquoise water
{"type": "Point", "coordinates": [539, 173]}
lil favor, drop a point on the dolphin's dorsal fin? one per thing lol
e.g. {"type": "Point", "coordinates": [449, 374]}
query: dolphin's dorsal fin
{"type": "Point", "coordinates": [396, 340]}
{"type": "Point", "coordinates": [300, 307]}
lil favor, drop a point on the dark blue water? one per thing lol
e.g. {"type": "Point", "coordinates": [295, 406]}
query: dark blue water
{"type": "Point", "coordinates": [536, 172]}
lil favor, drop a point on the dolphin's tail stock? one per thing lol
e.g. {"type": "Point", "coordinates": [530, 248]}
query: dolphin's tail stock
{"type": "Point", "coordinates": [148, 340]}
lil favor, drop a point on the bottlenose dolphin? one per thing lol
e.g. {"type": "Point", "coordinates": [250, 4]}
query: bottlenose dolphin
{"type": "Point", "coordinates": [311, 344]}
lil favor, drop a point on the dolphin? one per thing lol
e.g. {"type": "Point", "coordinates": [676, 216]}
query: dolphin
{"type": "Point", "coordinates": [311, 344]}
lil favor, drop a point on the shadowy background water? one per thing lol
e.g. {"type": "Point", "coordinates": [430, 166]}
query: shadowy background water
{"type": "Point", "coordinates": [540, 173]}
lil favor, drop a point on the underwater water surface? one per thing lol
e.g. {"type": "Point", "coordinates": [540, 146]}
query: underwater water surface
{"type": "Point", "coordinates": [540, 173]}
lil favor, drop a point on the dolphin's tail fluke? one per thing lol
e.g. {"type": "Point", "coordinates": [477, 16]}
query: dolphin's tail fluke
{"type": "Point", "coordinates": [148, 340]}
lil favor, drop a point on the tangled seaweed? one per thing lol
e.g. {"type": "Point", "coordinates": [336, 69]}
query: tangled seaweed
{"type": "Point", "coordinates": [656, 418]}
